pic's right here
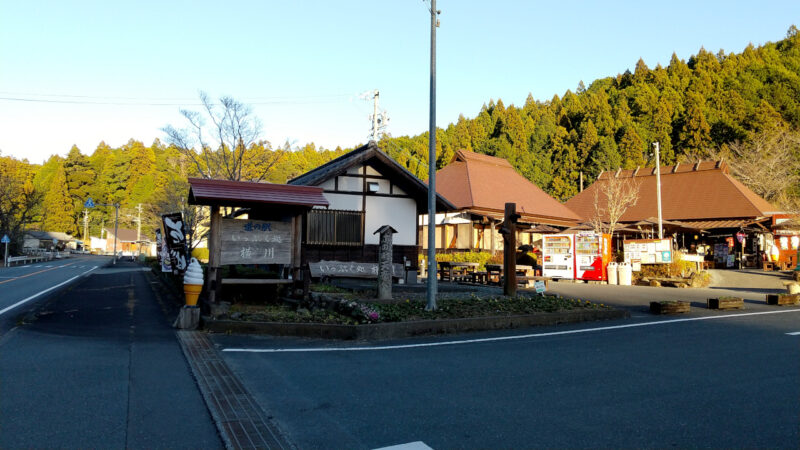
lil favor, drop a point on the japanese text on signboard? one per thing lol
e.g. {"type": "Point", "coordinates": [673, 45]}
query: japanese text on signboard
{"type": "Point", "coordinates": [255, 242]}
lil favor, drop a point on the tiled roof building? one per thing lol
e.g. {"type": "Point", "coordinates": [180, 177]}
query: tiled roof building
{"type": "Point", "coordinates": [701, 195]}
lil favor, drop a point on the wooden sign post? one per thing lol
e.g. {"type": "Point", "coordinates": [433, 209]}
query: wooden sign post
{"type": "Point", "coordinates": [255, 242]}
{"type": "Point", "coordinates": [509, 232]}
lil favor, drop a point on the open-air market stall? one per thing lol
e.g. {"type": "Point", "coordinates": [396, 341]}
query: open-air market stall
{"type": "Point", "coordinates": [784, 243]}
{"type": "Point", "coordinates": [479, 186]}
{"type": "Point", "coordinates": [708, 212]}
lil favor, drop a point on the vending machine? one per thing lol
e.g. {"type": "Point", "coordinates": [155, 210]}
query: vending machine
{"type": "Point", "coordinates": [592, 255]}
{"type": "Point", "coordinates": [558, 258]}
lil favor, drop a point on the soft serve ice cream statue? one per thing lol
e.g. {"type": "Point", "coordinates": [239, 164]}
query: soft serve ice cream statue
{"type": "Point", "coordinates": [193, 282]}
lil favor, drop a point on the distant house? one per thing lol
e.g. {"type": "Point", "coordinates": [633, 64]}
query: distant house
{"type": "Point", "coordinates": [126, 241]}
{"type": "Point", "coordinates": [479, 186]}
{"type": "Point", "coordinates": [366, 189]}
{"type": "Point", "coordinates": [47, 240]}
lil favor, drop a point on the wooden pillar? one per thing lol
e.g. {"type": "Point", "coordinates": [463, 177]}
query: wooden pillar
{"type": "Point", "coordinates": [492, 246]}
{"type": "Point", "coordinates": [509, 232]}
{"type": "Point", "coordinates": [214, 255]}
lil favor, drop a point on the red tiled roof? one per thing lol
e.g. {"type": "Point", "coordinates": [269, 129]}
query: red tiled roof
{"type": "Point", "coordinates": [701, 191]}
{"type": "Point", "coordinates": [479, 182]}
{"type": "Point", "coordinates": [244, 193]}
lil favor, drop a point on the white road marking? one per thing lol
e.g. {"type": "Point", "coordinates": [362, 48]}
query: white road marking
{"type": "Point", "coordinates": [418, 445]}
{"type": "Point", "coordinates": [9, 308]}
{"type": "Point", "coordinates": [501, 338]}
{"type": "Point", "coordinates": [796, 333]}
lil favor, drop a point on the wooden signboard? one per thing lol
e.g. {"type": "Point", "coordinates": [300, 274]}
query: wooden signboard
{"type": "Point", "coordinates": [350, 269]}
{"type": "Point", "coordinates": [256, 242]}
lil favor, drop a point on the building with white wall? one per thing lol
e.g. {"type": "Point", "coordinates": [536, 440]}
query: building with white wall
{"type": "Point", "coordinates": [366, 189]}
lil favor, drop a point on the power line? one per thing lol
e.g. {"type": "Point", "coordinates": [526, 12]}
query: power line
{"type": "Point", "coordinates": [308, 100]}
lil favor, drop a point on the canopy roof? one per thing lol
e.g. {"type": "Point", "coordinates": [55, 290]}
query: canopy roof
{"type": "Point", "coordinates": [702, 191]}
{"type": "Point", "coordinates": [245, 193]}
{"type": "Point", "coordinates": [481, 183]}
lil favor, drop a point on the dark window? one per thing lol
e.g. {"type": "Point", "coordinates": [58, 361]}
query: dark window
{"type": "Point", "coordinates": [334, 227]}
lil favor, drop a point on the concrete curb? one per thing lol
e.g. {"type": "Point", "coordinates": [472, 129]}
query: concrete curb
{"type": "Point", "coordinates": [398, 330]}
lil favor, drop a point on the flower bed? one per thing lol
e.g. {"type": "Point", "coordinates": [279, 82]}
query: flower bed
{"type": "Point", "coordinates": [345, 310]}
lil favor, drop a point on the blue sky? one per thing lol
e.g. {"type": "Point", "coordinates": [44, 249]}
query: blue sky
{"type": "Point", "coordinates": [91, 71]}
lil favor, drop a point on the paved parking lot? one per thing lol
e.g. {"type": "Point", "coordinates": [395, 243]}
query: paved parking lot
{"type": "Point", "coordinates": [751, 285]}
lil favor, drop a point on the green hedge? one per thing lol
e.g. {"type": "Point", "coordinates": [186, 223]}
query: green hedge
{"type": "Point", "coordinates": [482, 258]}
{"type": "Point", "coordinates": [201, 254]}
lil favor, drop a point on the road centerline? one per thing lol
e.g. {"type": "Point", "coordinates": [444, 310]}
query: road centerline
{"type": "Point", "coordinates": [501, 338]}
{"type": "Point", "coordinates": [38, 272]}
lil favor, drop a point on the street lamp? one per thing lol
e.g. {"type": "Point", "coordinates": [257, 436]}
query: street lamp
{"type": "Point", "coordinates": [90, 204]}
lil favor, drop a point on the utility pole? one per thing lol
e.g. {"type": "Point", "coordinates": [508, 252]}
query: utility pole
{"type": "Point", "coordinates": [379, 118]}
{"type": "Point", "coordinates": [139, 229]}
{"type": "Point", "coordinates": [658, 190]}
{"type": "Point", "coordinates": [85, 226]}
{"type": "Point", "coordinates": [431, 306]}
{"type": "Point", "coordinates": [375, 97]}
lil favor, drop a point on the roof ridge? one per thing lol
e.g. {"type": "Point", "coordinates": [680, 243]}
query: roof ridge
{"type": "Point", "coordinates": [469, 185]}
{"type": "Point", "coordinates": [469, 155]}
{"type": "Point", "coordinates": [742, 189]}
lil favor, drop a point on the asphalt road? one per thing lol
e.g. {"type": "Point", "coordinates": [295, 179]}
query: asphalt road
{"type": "Point", "coordinates": [710, 379]}
{"type": "Point", "coordinates": [98, 366]}
{"type": "Point", "coordinates": [23, 288]}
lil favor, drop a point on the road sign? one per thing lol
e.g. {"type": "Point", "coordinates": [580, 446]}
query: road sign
{"type": "Point", "coordinates": [89, 203]}
{"type": "Point", "coordinates": [5, 239]}
{"type": "Point", "coordinates": [740, 237]}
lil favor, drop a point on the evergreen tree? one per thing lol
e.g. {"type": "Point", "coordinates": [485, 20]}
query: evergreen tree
{"type": "Point", "coordinates": [565, 163]}
{"type": "Point", "coordinates": [58, 208]}
{"type": "Point", "coordinates": [631, 149]}
{"type": "Point", "coordinates": [80, 178]}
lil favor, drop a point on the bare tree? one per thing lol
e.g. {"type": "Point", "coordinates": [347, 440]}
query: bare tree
{"type": "Point", "coordinates": [228, 146]}
{"type": "Point", "coordinates": [768, 163]}
{"type": "Point", "coordinates": [612, 197]}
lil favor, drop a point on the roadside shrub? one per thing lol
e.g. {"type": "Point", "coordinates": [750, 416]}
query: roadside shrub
{"type": "Point", "coordinates": [201, 254]}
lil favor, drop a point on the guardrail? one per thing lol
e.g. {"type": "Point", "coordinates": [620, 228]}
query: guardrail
{"type": "Point", "coordinates": [46, 256]}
